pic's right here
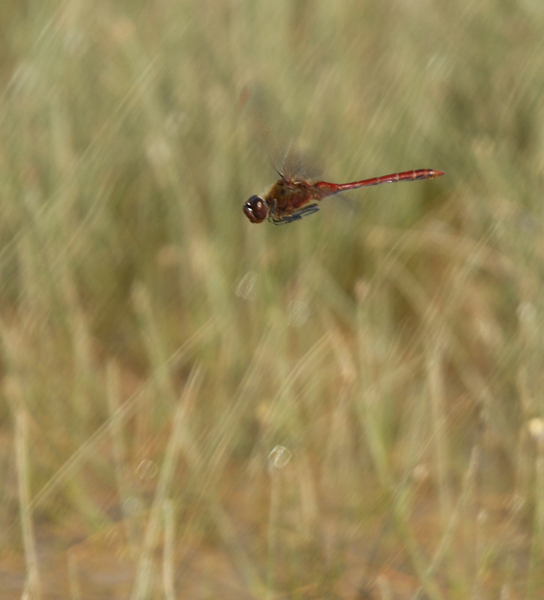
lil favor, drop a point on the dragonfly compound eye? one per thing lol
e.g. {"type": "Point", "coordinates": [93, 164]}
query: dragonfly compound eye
{"type": "Point", "coordinates": [256, 209]}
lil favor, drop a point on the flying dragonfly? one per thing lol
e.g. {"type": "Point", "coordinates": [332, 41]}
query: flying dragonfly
{"type": "Point", "coordinates": [291, 198]}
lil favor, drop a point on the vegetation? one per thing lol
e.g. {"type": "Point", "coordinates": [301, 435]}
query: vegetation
{"type": "Point", "coordinates": [193, 406]}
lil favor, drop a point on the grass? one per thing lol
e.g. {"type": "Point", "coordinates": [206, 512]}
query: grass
{"type": "Point", "coordinates": [158, 350]}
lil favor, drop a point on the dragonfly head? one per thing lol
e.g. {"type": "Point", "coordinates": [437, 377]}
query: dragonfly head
{"type": "Point", "coordinates": [256, 209]}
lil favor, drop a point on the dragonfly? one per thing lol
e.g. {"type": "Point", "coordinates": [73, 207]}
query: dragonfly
{"type": "Point", "coordinates": [292, 198]}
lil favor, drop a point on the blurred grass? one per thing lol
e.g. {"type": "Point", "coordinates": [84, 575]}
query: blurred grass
{"type": "Point", "coordinates": [156, 346]}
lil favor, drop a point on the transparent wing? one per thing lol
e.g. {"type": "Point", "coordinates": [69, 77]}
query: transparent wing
{"type": "Point", "coordinates": [273, 134]}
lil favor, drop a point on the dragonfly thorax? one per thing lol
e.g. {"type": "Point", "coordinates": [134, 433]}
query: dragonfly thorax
{"type": "Point", "coordinates": [256, 209]}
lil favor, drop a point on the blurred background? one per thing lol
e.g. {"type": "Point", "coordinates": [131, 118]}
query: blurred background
{"type": "Point", "coordinates": [193, 406]}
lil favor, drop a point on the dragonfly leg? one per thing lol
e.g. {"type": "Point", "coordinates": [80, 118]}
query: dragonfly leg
{"type": "Point", "coordinates": [297, 215]}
